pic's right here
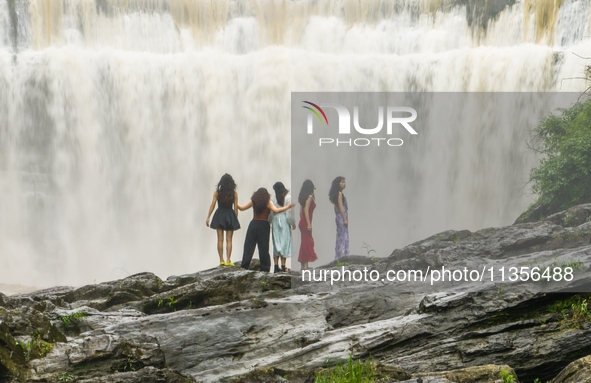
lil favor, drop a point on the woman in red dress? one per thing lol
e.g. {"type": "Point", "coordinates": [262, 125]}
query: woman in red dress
{"type": "Point", "coordinates": [306, 200]}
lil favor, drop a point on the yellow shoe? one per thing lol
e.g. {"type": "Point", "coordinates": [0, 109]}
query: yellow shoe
{"type": "Point", "coordinates": [229, 263]}
{"type": "Point", "coordinates": [222, 263]}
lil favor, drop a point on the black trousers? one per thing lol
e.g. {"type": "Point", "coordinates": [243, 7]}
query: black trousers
{"type": "Point", "coordinates": [257, 235]}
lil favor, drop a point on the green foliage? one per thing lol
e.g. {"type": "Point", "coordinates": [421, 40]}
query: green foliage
{"type": "Point", "coordinates": [569, 219]}
{"type": "Point", "coordinates": [573, 264]}
{"type": "Point", "coordinates": [574, 310]}
{"type": "Point", "coordinates": [26, 349]}
{"type": "Point", "coordinates": [349, 372]}
{"type": "Point", "coordinates": [66, 377]}
{"type": "Point", "coordinates": [129, 364]}
{"type": "Point", "coordinates": [452, 237]}
{"type": "Point", "coordinates": [171, 303]}
{"type": "Point", "coordinates": [368, 248]}
{"type": "Point", "coordinates": [563, 177]}
{"type": "Point", "coordinates": [35, 348]}
{"type": "Point", "coordinates": [68, 319]}
{"type": "Point", "coordinates": [571, 235]}
{"type": "Point", "coordinates": [560, 307]}
{"type": "Point", "coordinates": [341, 264]}
{"type": "Point", "coordinates": [507, 378]}
{"type": "Point", "coordinates": [500, 291]}
{"type": "Point", "coordinates": [580, 311]}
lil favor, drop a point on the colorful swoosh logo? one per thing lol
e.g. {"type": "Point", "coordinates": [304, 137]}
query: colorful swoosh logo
{"type": "Point", "coordinates": [315, 112]}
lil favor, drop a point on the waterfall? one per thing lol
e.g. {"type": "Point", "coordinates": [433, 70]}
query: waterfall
{"type": "Point", "coordinates": [118, 117]}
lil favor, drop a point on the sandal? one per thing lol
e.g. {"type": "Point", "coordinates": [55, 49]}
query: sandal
{"type": "Point", "coordinates": [222, 263]}
{"type": "Point", "coordinates": [229, 263]}
{"type": "Point", "coordinates": [285, 269]}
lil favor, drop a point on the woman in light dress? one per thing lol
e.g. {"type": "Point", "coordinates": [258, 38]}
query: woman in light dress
{"type": "Point", "coordinates": [341, 210]}
{"type": "Point", "coordinates": [281, 226]}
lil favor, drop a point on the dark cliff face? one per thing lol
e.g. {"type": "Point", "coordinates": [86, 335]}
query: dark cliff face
{"type": "Point", "coordinates": [230, 324]}
{"type": "Point", "coordinates": [479, 13]}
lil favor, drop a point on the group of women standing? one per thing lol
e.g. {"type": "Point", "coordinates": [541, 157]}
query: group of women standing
{"type": "Point", "coordinates": [272, 212]}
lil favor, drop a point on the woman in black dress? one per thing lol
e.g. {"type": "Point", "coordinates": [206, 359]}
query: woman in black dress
{"type": "Point", "coordinates": [225, 219]}
{"type": "Point", "coordinates": [259, 228]}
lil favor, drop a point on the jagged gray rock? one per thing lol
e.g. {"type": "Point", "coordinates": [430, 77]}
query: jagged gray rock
{"type": "Point", "coordinates": [224, 324]}
{"type": "Point", "coordinates": [481, 374]}
{"type": "Point", "coordinates": [578, 371]}
{"type": "Point", "coordinates": [145, 375]}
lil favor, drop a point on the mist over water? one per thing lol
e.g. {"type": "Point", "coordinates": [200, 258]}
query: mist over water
{"type": "Point", "coordinates": [118, 117]}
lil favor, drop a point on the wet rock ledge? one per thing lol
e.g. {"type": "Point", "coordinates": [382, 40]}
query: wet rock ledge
{"type": "Point", "coordinates": [234, 325]}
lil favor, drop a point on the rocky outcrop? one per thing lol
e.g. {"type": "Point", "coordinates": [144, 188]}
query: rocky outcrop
{"type": "Point", "coordinates": [578, 371]}
{"type": "Point", "coordinates": [229, 324]}
{"type": "Point", "coordinates": [148, 374]}
{"type": "Point", "coordinates": [480, 374]}
{"type": "Point", "coordinates": [573, 216]}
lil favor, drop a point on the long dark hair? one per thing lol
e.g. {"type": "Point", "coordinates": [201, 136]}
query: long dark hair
{"type": "Point", "coordinates": [280, 192]}
{"type": "Point", "coordinates": [226, 190]}
{"type": "Point", "coordinates": [335, 188]}
{"type": "Point", "coordinates": [281, 198]}
{"type": "Point", "coordinates": [306, 191]}
{"type": "Point", "coordinates": [260, 200]}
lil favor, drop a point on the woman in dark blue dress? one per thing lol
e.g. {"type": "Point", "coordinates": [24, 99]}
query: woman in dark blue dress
{"type": "Point", "coordinates": [225, 219]}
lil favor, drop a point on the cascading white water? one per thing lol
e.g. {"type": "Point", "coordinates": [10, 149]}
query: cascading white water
{"type": "Point", "coordinates": [119, 116]}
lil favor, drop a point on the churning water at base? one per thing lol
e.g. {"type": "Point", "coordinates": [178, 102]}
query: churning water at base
{"type": "Point", "coordinates": [118, 116]}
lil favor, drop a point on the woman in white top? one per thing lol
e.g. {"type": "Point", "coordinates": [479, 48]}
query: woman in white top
{"type": "Point", "coordinates": [281, 226]}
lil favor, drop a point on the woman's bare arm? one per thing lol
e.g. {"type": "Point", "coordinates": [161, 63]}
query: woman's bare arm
{"type": "Point", "coordinates": [342, 210]}
{"type": "Point", "coordinates": [291, 215]}
{"type": "Point", "coordinates": [276, 210]}
{"type": "Point", "coordinates": [307, 213]}
{"type": "Point", "coordinates": [236, 203]}
{"type": "Point", "coordinates": [215, 198]}
{"type": "Point", "coordinates": [245, 207]}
